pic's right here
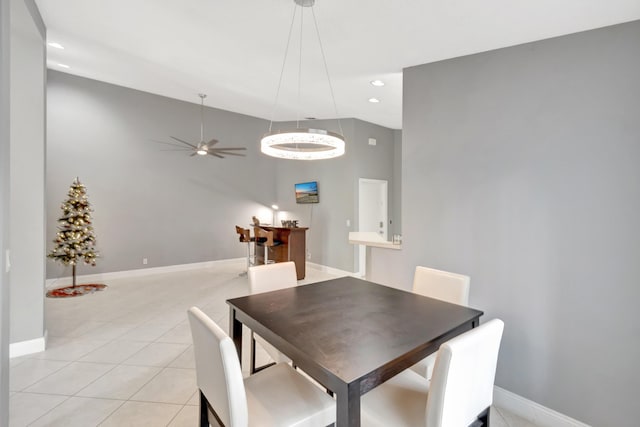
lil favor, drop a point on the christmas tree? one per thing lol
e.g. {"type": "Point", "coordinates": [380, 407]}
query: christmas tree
{"type": "Point", "coordinates": [75, 239]}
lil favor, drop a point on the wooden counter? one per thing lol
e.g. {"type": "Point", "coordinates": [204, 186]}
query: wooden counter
{"type": "Point", "coordinates": [292, 247]}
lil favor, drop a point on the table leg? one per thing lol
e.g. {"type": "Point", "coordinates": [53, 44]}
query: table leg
{"type": "Point", "coordinates": [348, 406]}
{"type": "Point", "coordinates": [236, 332]}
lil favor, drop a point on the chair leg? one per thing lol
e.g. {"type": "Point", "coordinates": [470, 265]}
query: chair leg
{"type": "Point", "coordinates": [204, 405]}
{"type": "Point", "coordinates": [484, 417]}
{"type": "Point", "coordinates": [252, 365]}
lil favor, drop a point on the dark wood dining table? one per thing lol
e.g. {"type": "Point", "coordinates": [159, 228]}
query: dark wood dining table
{"type": "Point", "coordinates": [348, 334]}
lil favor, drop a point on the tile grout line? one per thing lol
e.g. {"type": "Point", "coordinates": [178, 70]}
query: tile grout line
{"type": "Point", "coordinates": [502, 416]}
{"type": "Point", "coordinates": [46, 376]}
{"type": "Point", "coordinates": [129, 399]}
{"type": "Point", "coordinates": [68, 397]}
{"type": "Point", "coordinates": [174, 417]}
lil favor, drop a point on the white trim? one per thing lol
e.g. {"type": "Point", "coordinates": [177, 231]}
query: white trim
{"type": "Point", "coordinates": [531, 411]}
{"type": "Point", "coordinates": [99, 277]}
{"type": "Point", "coordinates": [331, 270]}
{"type": "Point", "coordinates": [22, 348]}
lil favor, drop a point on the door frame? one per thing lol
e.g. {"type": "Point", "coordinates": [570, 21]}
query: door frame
{"type": "Point", "coordinates": [362, 249]}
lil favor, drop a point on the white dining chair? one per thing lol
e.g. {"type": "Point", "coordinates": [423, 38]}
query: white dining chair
{"type": "Point", "coordinates": [266, 278]}
{"type": "Point", "coordinates": [442, 285]}
{"type": "Point", "coordinates": [460, 392]}
{"type": "Point", "coordinates": [278, 396]}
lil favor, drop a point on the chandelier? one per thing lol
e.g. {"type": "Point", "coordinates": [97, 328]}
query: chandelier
{"type": "Point", "coordinates": [303, 143]}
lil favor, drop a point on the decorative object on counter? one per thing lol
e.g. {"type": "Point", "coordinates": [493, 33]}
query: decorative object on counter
{"type": "Point", "coordinates": [203, 148]}
{"type": "Point", "coordinates": [75, 240]}
{"type": "Point", "coordinates": [289, 223]}
{"type": "Point", "coordinates": [255, 220]}
{"type": "Point", "coordinates": [303, 143]}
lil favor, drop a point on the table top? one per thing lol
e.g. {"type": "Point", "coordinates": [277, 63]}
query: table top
{"type": "Point", "coordinates": [349, 330]}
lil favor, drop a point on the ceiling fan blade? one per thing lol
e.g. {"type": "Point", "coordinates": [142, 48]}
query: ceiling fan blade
{"type": "Point", "coordinates": [192, 154]}
{"type": "Point", "coordinates": [177, 149]}
{"type": "Point", "coordinates": [214, 154]}
{"type": "Point", "coordinates": [212, 142]}
{"type": "Point", "coordinates": [230, 149]}
{"type": "Point", "coordinates": [184, 142]}
{"type": "Point", "coordinates": [173, 144]}
{"type": "Point", "coordinates": [224, 153]}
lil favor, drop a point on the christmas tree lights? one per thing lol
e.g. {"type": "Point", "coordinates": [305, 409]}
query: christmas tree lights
{"type": "Point", "coordinates": [75, 240]}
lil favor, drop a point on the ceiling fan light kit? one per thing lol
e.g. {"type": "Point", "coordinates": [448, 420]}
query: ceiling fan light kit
{"type": "Point", "coordinates": [303, 143]}
{"type": "Point", "coordinates": [203, 148]}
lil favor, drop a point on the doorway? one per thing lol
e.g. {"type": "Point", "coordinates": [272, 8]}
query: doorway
{"type": "Point", "coordinates": [372, 213]}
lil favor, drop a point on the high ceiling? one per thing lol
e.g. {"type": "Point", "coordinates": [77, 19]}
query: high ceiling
{"type": "Point", "coordinates": [233, 50]}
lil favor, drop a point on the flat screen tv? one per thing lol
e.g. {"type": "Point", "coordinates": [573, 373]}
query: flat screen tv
{"type": "Point", "coordinates": [307, 192]}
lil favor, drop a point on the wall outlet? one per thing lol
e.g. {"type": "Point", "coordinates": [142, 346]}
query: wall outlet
{"type": "Point", "coordinates": [144, 261]}
{"type": "Point", "coordinates": [308, 255]}
{"type": "Point", "coordinates": [348, 223]}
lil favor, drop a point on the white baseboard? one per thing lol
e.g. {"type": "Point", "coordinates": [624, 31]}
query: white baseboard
{"type": "Point", "coordinates": [23, 348]}
{"type": "Point", "coordinates": [531, 411]}
{"type": "Point", "coordinates": [331, 270]}
{"type": "Point", "coordinates": [99, 277]}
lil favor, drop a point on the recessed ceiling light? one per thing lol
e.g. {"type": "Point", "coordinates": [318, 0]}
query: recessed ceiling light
{"type": "Point", "coordinates": [374, 100]}
{"type": "Point", "coordinates": [377, 83]}
{"type": "Point", "coordinates": [56, 45]}
{"type": "Point", "coordinates": [63, 66]}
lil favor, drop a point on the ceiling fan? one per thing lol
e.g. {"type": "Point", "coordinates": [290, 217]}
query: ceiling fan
{"type": "Point", "coordinates": [203, 148]}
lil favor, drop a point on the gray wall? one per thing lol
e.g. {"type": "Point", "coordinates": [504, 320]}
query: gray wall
{"type": "Point", "coordinates": [27, 171]}
{"type": "Point", "coordinates": [396, 192]}
{"type": "Point", "coordinates": [173, 209]}
{"type": "Point", "coordinates": [148, 203]}
{"type": "Point", "coordinates": [4, 210]}
{"type": "Point", "coordinates": [521, 170]}
{"type": "Point", "coordinates": [327, 239]}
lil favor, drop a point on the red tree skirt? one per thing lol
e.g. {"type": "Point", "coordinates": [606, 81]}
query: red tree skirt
{"type": "Point", "coordinates": [79, 290]}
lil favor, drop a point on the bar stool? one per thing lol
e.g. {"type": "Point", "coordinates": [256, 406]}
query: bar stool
{"type": "Point", "coordinates": [245, 237]}
{"type": "Point", "coordinates": [264, 238]}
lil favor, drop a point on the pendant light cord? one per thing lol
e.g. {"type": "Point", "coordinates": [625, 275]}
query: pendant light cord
{"type": "Point", "coordinates": [202, 117]}
{"type": "Point", "coordinates": [284, 62]}
{"type": "Point", "coordinates": [326, 70]}
{"type": "Point", "coordinates": [299, 69]}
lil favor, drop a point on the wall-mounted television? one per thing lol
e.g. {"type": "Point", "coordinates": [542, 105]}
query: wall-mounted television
{"type": "Point", "coordinates": [307, 192]}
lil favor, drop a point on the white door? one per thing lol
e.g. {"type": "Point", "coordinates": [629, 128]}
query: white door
{"type": "Point", "coordinates": [372, 212]}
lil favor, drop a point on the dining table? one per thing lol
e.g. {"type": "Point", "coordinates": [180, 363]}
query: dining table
{"type": "Point", "coordinates": [349, 334]}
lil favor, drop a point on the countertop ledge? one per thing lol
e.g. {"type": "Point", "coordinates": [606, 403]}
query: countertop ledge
{"type": "Point", "coordinates": [371, 239]}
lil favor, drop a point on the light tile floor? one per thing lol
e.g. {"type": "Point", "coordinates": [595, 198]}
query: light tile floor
{"type": "Point", "coordinates": [123, 356]}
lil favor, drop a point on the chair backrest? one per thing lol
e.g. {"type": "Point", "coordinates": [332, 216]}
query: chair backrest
{"type": "Point", "coordinates": [264, 236]}
{"type": "Point", "coordinates": [272, 277]}
{"type": "Point", "coordinates": [442, 285]}
{"type": "Point", "coordinates": [218, 371]}
{"type": "Point", "coordinates": [463, 376]}
{"type": "Point", "coordinates": [245, 234]}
